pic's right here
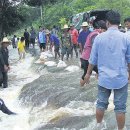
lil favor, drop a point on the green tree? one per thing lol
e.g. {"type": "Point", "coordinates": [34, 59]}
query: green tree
{"type": "Point", "coordinates": [10, 18]}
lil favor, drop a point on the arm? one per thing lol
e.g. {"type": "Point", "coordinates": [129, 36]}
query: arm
{"type": "Point", "coordinates": [6, 68]}
{"type": "Point", "coordinates": [81, 49]}
{"type": "Point", "coordinates": [1, 58]}
{"type": "Point", "coordinates": [79, 42]}
{"type": "Point", "coordinates": [129, 71]}
{"type": "Point", "coordinates": [92, 62]}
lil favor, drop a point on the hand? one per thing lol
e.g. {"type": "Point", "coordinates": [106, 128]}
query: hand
{"type": "Point", "coordinates": [129, 81]}
{"type": "Point", "coordinates": [6, 68]}
{"type": "Point", "coordinates": [82, 82]}
{"type": "Point", "coordinates": [80, 51]}
{"type": "Point", "coordinates": [87, 78]}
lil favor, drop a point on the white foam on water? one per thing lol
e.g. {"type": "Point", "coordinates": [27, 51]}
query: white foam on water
{"type": "Point", "coordinates": [50, 63]}
{"type": "Point", "coordinates": [81, 108]}
{"type": "Point", "coordinates": [39, 61]}
{"type": "Point", "coordinates": [22, 75]}
{"type": "Point", "coordinates": [47, 54]}
{"type": "Point", "coordinates": [72, 68]}
{"type": "Point", "coordinates": [43, 57]}
{"type": "Point", "coordinates": [92, 125]}
{"type": "Point", "coordinates": [61, 64]}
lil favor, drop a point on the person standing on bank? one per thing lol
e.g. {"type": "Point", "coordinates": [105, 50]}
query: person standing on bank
{"type": "Point", "coordinates": [111, 52]}
{"type": "Point", "coordinates": [4, 63]}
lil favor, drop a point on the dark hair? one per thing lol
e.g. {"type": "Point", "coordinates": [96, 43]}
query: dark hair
{"type": "Point", "coordinates": [127, 19]}
{"type": "Point", "coordinates": [102, 24]}
{"type": "Point", "coordinates": [22, 39]}
{"type": "Point", "coordinates": [113, 17]}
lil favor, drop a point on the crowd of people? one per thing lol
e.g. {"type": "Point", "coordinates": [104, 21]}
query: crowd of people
{"type": "Point", "coordinates": [104, 49]}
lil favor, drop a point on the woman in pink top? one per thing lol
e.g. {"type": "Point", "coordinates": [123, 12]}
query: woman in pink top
{"type": "Point", "coordinates": [101, 27]}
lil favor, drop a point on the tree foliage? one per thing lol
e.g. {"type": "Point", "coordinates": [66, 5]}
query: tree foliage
{"type": "Point", "coordinates": [38, 2]}
{"type": "Point", "coordinates": [10, 18]}
{"type": "Point", "coordinates": [66, 8]}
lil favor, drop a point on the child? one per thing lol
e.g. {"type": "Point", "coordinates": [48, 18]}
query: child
{"type": "Point", "coordinates": [21, 48]}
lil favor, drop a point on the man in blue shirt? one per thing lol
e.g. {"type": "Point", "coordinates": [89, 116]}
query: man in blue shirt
{"type": "Point", "coordinates": [111, 53]}
{"type": "Point", "coordinates": [83, 35]}
{"type": "Point", "coordinates": [54, 40]}
{"type": "Point", "coordinates": [42, 39]}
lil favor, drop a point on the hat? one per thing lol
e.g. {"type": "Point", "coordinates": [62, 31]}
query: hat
{"type": "Point", "coordinates": [71, 24]}
{"type": "Point", "coordinates": [84, 24]}
{"type": "Point", "coordinates": [47, 32]}
{"type": "Point", "coordinates": [5, 40]}
{"type": "Point", "coordinates": [65, 26]}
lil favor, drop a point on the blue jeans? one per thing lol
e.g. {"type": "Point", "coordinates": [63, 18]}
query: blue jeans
{"type": "Point", "coordinates": [120, 98]}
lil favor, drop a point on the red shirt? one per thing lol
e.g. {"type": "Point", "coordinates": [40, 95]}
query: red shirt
{"type": "Point", "coordinates": [74, 36]}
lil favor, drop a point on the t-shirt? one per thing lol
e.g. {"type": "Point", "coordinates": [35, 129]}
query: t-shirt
{"type": "Point", "coordinates": [32, 34]}
{"type": "Point", "coordinates": [42, 37]}
{"type": "Point", "coordinates": [66, 40]}
{"type": "Point", "coordinates": [74, 36]}
{"type": "Point", "coordinates": [82, 37]}
{"type": "Point", "coordinates": [21, 46]}
{"type": "Point", "coordinates": [128, 32]}
{"type": "Point", "coordinates": [54, 39]}
{"type": "Point", "coordinates": [26, 35]}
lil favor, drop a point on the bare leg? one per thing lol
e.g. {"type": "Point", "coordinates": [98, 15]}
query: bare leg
{"type": "Point", "coordinates": [62, 56]}
{"type": "Point", "coordinates": [120, 117]}
{"type": "Point", "coordinates": [23, 55]}
{"type": "Point", "coordinates": [55, 55]}
{"type": "Point", "coordinates": [99, 115]}
{"type": "Point", "coordinates": [58, 53]}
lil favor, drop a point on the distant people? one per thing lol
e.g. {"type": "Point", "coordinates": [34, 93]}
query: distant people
{"type": "Point", "coordinates": [83, 36]}
{"type": "Point", "coordinates": [74, 39]}
{"type": "Point", "coordinates": [66, 45]}
{"type": "Point", "coordinates": [42, 39]}
{"type": "Point", "coordinates": [32, 36]}
{"type": "Point", "coordinates": [54, 41]}
{"type": "Point", "coordinates": [4, 108]}
{"type": "Point", "coordinates": [14, 40]}
{"type": "Point", "coordinates": [54, 31]}
{"type": "Point", "coordinates": [101, 27]}
{"type": "Point", "coordinates": [111, 53]}
{"type": "Point", "coordinates": [127, 24]}
{"type": "Point", "coordinates": [26, 36]}
{"type": "Point", "coordinates": [4, 63]}
{"type": "Point", "coordinates": [21, 48]}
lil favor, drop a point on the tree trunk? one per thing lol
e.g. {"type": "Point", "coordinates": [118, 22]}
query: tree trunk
{"type": "Point", "coordinates": [0, 31]}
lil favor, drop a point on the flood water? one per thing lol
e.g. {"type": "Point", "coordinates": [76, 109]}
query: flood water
{"type": "Point", "coordinates": [47, 97]}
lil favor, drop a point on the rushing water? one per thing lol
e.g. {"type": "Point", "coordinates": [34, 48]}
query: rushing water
{"type": "Point", "coordinates": [48, 96]}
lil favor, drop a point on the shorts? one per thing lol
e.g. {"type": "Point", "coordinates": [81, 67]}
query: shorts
{"type": "Point", "coordinates": [42, 45]}
{"type": "Point", "coordinates": [120, 98]}
{"type": "Point", "coordinates": [84, 66]}
{"type": "Point", "coordinates": [65, 50]}
{"type": "Point", "coordinates": [57, 47]}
